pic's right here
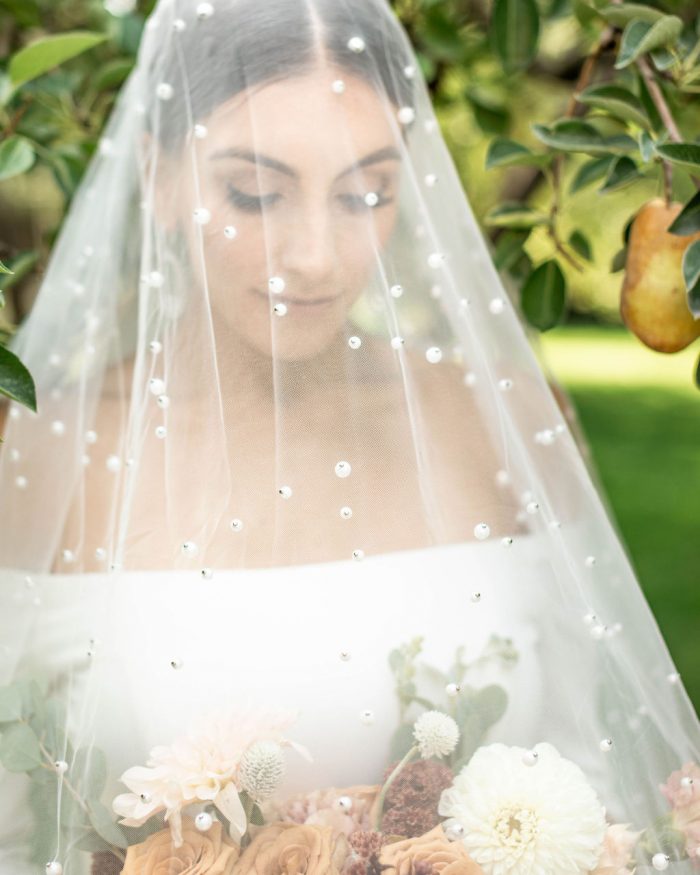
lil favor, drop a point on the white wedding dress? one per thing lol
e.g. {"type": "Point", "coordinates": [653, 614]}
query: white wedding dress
{"type": "Point", "coordinates": [312, 638]}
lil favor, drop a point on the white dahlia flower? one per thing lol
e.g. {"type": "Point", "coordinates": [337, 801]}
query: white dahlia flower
{"type": "Point", "coordinates": [517, 819]}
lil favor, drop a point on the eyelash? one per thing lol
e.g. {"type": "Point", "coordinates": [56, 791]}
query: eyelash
{"type": "Point", "coordinates": [251, 204]}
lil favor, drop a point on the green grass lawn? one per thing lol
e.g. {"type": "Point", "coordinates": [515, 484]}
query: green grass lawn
{"type": "Point", "coordinates": [641, 415]}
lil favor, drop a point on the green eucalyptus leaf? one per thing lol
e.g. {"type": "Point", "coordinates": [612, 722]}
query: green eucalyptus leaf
{"type": "Point", "coordinates": [622, 171]}
{"type": "Point", "coordinates": [514, 31]}
{"type": "Point", "coordinates": [91, 765]}
{"type": "Point", "coordinates": [19, 748]}
{"type": "Point", "coordinates": [691, 276]}
{"type": "Point", "coordinates": [591, 171]}
{"type": "Point", "coordinates": [573, 135]}
{"type": "Point", "coordinates": [15, 380]}
{"type": "Point", "coordinates": [688, 220]}
{"type": "Point", "coordinates": [641, 36]}
{"type": "Point", "coordinates": [48, 52]}
{"type": "Point", "coordinates": [105, 825]}
{"type": "Point", "coordinates": [509, 248]}
{"type": "Point", "coordinates": [507, 153]}
{"type": "Point", "coordinates": [16, 157]}
{"type": "Point", "coordinates": [477, 712]}
{"type": "Point", "coordinates": [92, 842]}
{"type": "Point", "coordinates": [514, 215]}
{"type": "Point", "coordinates": [580, 243]}
{"type": "Point", "coordinates": [401, 742]}
{"type": "Point", "coordinates": [686, 154]}
{"type": "Point", "coordinates": [10, 704]}
{"type": "Point", "coordinates": [543, 296]}
{"type": "Point", "coordinates": [616, 100]}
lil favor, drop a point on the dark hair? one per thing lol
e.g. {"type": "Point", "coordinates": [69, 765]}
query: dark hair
{"type": "Point", "coordinates": [249, 42]}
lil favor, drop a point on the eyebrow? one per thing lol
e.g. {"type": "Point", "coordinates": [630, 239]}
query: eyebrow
{"type": "Point", "coordinates": [384, 154]}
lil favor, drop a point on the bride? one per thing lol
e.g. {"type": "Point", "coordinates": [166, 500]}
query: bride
{"type": "Point", "coordinates": [298, 486]}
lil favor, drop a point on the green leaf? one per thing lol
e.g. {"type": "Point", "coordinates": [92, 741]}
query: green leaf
{"type": "Point", "coordinates": [621, 15]}
{"type": "Point", "coordinates": [441, 35]}
{"type": "Point", "coordinates": [91, 765]}
{"type": "Point", "coordinates": [663, 59]}
{"type": "Point", "coordinates": [514, 31]}
{"type": "Point", "coordinates": [16, 156]}
{"type": "Point", "coordinates": [111, 74]}
{"type": "Point", "coordinates": [691, 275]}
{"type": "Point", "coordinates": [4, 268]}
{"type": "Point", "coordinates": [543, 296]}
{"type": "Point", "coordinates": [491, 116]}
{"type": "Point", "coordinates": [43, 55]}
{"type": "Point", "coordinates": [105, 825]}
{"type": "Point", "coordinates": [619, 261]}
{"type": "Point", "coordinates": [507, 153]}
{"type": "Point", "coordinates": [590, 171]}
{"type": "Point", "coordinates": [646, 147]}
{"type": "Point", "coordinates": [640, 37]}
{"type": "Point", "coordinates": [477, 712]}
{"type": "Point", "coordinates": [688, 220]}
{"type": "Point", "coordinates": [622, 171]}
{"type": "Point", "coordinates": [15, 380]}
{"type": "Point", "coordinates": [616, 100]}
{"type": "Point", "coordinates": [257, 818]}
{"type": "Point", "coordinates": [697, 373]}
{"type": "Point", "coordinates": [10, 704]}
{"type": "Point", "coordinates": [579, 243]}
{"type": "Point", "coordinates": [514, 215]}
{"type": "Point", "coordinates": [509, 248]}
{"type": "Point", "coordinates": [19, 748]}
{"type": "Point", "coordinates": [20, 264]}
{"type": "Point", "coordinates": [687, 154]}
{"type": "Point", "coordinates": [572, 135]}
{"type": "Point", "coordinates": [401, 742]}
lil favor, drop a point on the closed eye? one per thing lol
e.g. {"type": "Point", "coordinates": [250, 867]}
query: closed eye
{"type": "Point", "coordinates": [249, 203]}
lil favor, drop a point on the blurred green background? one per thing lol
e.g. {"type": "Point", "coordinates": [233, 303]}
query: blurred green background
{"type": "Point", "coordinates": [641, 416]}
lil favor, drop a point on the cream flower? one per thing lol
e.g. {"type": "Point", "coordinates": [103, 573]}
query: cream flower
{"type": "Point", "coordinates": [518, 819]}
{"type": "Point", "coordinates": [202, 766]}
{"type": "Point", "coordinates": [617, 850]}
{"type": "Point", "coordinates": [436, 734]}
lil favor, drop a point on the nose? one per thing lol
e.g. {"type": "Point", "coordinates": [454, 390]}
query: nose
{"type": "Point", "coordinates": [308, 256]}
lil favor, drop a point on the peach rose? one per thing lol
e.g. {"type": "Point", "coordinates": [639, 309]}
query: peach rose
{"type": "Point", "coordinates": [618, 844]}
{"type": "Point", "coordinates": [201, 853]}
{"type": "Point", "coordinates": [293, 849]}
{"type": "Point", "coordinates": [432, 852]}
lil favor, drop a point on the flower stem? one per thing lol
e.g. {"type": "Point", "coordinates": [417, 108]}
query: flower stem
{"type": "Point", "coordinates": [389, 781]}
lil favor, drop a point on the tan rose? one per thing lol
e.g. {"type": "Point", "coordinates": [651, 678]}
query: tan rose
{"type": "Point", "coordinates": [201, 853]}
{"type": "Point", "coordinates": [293, 849]}
{"type": "Point", "coordinates": [432, 852]}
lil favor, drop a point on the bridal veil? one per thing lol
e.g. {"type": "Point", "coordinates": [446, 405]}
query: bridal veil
{"type": "Point", "coordinates": [299, 551]}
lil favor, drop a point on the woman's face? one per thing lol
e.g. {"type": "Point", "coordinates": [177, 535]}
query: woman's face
{"type": "Point", "coordinates": [284, 172]}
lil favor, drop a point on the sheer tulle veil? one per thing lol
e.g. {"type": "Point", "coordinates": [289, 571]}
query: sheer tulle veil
{"type": "Point", "coordinates": [299, 547]}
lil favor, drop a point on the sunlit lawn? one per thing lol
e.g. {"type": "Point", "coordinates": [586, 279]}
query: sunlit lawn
{"type": "Point", "coordinates": [641, 416]}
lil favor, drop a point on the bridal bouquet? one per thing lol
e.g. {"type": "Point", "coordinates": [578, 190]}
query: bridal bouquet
{"type": "Point", "coordinates": [449, 802]}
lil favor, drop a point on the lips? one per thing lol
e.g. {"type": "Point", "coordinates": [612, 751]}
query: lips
{"type": "Point", "coordinates": [296, 302]}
